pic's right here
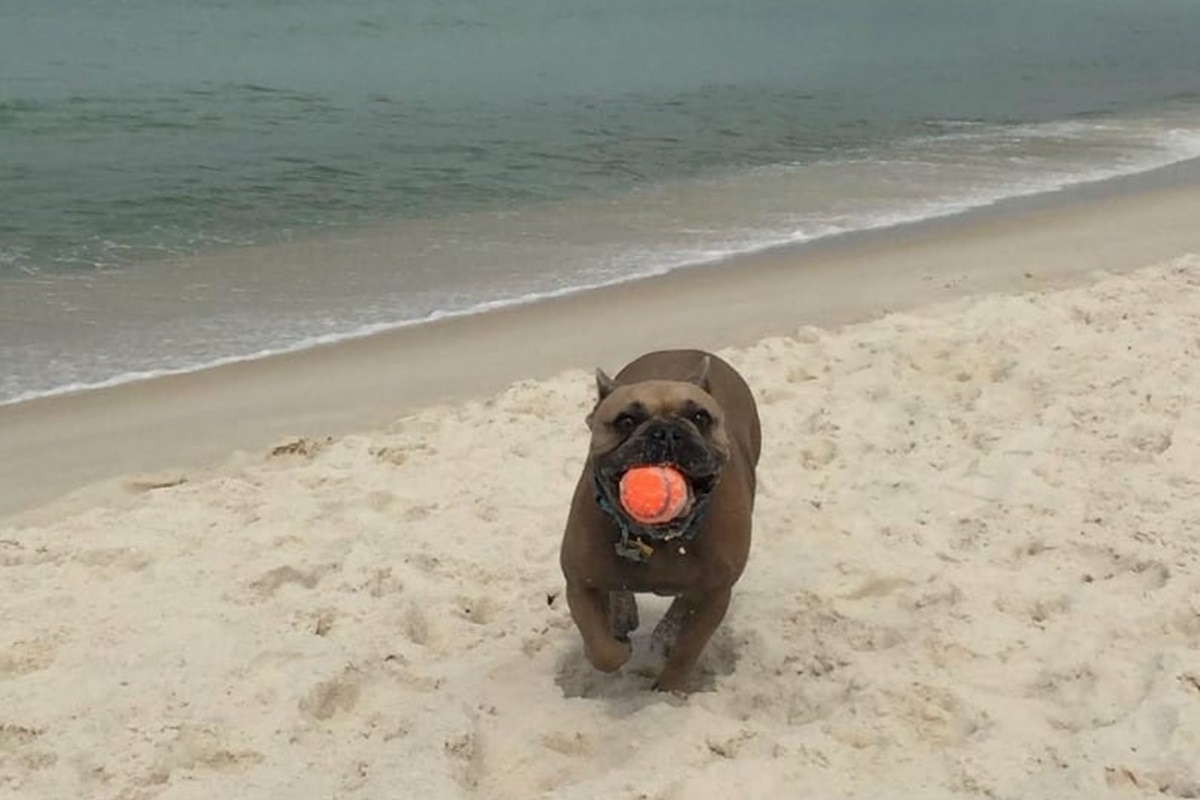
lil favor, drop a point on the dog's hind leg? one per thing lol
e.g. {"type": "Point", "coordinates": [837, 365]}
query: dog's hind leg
{"type": "Point", "coordinates": [662, 640]}
{"type": "Point", "coordinates": [622, 614]}
{"type": "Point", "coordinates": [698, 617]}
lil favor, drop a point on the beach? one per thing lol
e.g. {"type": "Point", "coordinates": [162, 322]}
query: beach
{"type": "Point", "coordinates": [334, 573]}
{"type": "Point", "coordinates": [300, 311]}
{"type": "Point", "coordinates": [59, 443]}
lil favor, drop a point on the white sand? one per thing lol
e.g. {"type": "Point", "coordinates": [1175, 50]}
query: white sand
{"type": "Point", "coordinates": [976, 573]}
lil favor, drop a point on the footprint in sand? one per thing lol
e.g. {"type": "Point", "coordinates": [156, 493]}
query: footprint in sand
{"type": "Point", "coordinates": [464, 754]}
{"type": "Point", "coordinates": [271, 581]}
{"type": "Point", "coordinates": [379, 500]}
{"type": "Point", "coordinates": [1165, 783]}
{"type": "Point", "coordinates": [419, 512]}
{"type": "Point", "coordinates": [1107, 564]}
{"type": "Point", "coordinates": [568, 744]}
{"type": "Point", "coordinates": [125, 559]}
{"type": "Point", "coordinates": [1093, 695]}
{"type": "Point", "coordinates": [337, 695]}
{"type": "Point", "coordinates": [818, 453]}
{"type": "Point", "coordinates": [150, 481]}
{"type": "Point", "coordinates": [415, 625]}
{"type": "Point", "coordinates": [1186, 620]}
{"type": "Point", "coordinates": [396, 456]}
{"type": "Point", "coordinates": [1036, 610]}
{"type": "Point", "coordinates": [300, 446]}
{"type": "Point", "coordinates": [25, 657]}
{"type": "Point", "coordinates": [18, 747]}
{"type": "Point", "coordinates": [191, 747]}
{"type": "Point", "coordinates": [478, 610]}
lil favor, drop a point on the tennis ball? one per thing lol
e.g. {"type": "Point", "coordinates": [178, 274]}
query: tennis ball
{"type": "Point", "coordinates": [655, 494]}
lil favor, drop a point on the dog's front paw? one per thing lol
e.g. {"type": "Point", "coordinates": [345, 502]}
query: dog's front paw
{"type": "Point", "coordinates": [673, 681]}
{"type": "Point", "coordinates": [608, 655]}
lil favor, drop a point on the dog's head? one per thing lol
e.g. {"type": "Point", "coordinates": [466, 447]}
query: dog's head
{"type": "Point", "coordinates": [674, 422]}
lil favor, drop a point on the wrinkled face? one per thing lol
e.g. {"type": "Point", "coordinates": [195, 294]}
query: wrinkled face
{"type": "Point", "coordinates": [658, 422]}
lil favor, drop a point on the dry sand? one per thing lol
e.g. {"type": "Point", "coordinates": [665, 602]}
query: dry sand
{"type": "Point", "coordinates": [976, 574]}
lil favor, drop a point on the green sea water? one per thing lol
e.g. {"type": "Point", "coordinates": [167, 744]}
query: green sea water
{"type": "Point", "coordinates": [467, 153]}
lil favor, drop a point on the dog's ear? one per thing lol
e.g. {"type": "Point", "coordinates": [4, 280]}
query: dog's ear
{"type": "Point", "coordinates": [604, 385]}
{"type": "Point", "coordinates": [701, 376]}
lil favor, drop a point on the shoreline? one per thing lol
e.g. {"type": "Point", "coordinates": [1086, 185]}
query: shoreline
{"type": "Point", "coordinates": [52, 445]}
{"type": "Point", "coordinates": [1176, 173]}
{"type": "Point", "coordinates": [285, 255]}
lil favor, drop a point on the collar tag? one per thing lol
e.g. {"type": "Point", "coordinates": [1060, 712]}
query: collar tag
{"type": "Point", "coordinates": [633, 549]}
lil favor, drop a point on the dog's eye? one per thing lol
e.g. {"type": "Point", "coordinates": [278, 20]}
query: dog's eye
{"type": "Point", "coordinates": [701, 419]}
{"type": "Point", "coordinates": [624, 423]}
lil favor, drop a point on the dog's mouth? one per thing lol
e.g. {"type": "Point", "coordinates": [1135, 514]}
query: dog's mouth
{"type": "Point", "coordinates": [699, 488]}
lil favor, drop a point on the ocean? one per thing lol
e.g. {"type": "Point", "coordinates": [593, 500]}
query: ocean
{"type": "Point", "coordinates": [190, 182]}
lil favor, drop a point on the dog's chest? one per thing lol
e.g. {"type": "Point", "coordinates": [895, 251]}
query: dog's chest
{"type": "Point", "coordinates": [668, 572]}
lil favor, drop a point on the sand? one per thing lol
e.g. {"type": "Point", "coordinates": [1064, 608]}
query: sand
{"type": "Point", "coordinates": [976, 574]}
{"type": "Point", "coordinates": [976, 569]}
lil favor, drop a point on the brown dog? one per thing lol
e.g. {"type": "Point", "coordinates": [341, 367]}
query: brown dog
{"type": "Point", "coordinates": [691, 410]}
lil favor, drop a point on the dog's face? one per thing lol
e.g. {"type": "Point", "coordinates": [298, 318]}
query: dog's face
{"type": "Point", "coordinates": [658, 422]}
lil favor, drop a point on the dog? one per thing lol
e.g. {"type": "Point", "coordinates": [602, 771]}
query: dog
{"type": "Point", "coordinates": [693, 411]}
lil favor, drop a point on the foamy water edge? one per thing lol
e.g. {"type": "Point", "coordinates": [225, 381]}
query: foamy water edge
{"type": "Point", "coordinates": [1179, 146]}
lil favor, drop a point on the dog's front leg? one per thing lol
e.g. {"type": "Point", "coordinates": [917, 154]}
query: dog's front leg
{"type": "Point", "coordinates": [589, 609]}
{"type": "Point", "coordinates": [698, 617]}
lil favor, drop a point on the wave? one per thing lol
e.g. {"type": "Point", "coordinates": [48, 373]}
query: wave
{"type": "Point", "coordinates": [961, 167]}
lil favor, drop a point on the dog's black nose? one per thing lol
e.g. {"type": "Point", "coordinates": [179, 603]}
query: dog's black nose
{"type": "Point", "coordinates": [659, 434]}
{"type": "Point", "coordinates": [665, 434]}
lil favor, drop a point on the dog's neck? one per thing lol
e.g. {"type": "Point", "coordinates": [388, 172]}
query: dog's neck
{"type": "Point", "coordinates": [636, 542]}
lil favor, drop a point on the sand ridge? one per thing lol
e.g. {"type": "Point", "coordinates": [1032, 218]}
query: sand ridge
{"type": "Point", "coordinates": [976, 573]}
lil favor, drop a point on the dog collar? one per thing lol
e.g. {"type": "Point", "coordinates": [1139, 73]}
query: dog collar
{"type": "Point", "coordinates": [636, 544]}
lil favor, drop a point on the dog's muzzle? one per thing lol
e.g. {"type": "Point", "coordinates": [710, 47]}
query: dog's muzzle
{"type": "Point", "coordinates": [659, 443]}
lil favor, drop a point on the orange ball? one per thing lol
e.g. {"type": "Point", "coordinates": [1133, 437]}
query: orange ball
{"type": "Point", "coordinates": [653, 495]}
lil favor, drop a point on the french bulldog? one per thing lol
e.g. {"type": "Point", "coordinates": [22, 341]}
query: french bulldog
{"type": "Point", "coordinates": [692, 411]}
